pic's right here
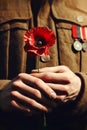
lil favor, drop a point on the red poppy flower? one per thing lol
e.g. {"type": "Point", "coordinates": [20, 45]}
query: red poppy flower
{"type": "Point", "coordinates": [38, 40]}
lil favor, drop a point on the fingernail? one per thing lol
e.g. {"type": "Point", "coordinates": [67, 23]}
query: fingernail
{"type": "Point", "coordinates": [53, 95]}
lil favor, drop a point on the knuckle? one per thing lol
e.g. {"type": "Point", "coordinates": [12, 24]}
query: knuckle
{"type": "Point", "coordinates": [12, 103]}
{"type": "Point", "coordinates": [32, 102]}
{"type": "Point", "coordinates": [16, 84]}
{"type": "Point", "coordinates": [12, 93]}
{"type": "Point", "coordinates": [61, 98]}
{"type": "Point", "coordinates": [67, 76]}
{"type": "Point", "coordinates": [65, 67]}
{"type": "Point", "coordinates": [20, 75]}
{"type": "Point", "coordinates": [66, 89]}
{"type": "Point", "coordinates": [46, 76]}
{"type": "Point", "coordinates": [37, 81]}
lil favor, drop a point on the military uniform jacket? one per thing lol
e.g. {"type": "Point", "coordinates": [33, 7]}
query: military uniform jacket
{"type": "Point", "coordinates": [16, 17]}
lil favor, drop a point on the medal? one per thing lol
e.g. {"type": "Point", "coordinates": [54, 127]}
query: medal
{"type": "Point", "coordinates": [84, 46]}
{"type": "Point", "coordinates": [45, 58]}
{"type": "Point", "coordinates": [77, 45]}
{"type": "Point", "coordinates": [79, 33]}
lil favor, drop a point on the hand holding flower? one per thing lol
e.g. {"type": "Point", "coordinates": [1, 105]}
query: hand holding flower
{"type": "Point", "coordinates": [62, 80]}
{"type": "Point", "coordinates": [38, 40]}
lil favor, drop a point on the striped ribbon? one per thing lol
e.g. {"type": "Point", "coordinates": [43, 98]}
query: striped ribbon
{"type": "Point", "coordinates": [79, 32]}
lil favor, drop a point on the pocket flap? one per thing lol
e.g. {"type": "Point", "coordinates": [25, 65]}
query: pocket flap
{"type": "Point", "coordinates": [68, 10]}
{"type": "Point", "coordinates": [14, 9]}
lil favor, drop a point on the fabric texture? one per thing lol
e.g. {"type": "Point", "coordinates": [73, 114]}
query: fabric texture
{"type": "Point", "coordinates": [16, 17]}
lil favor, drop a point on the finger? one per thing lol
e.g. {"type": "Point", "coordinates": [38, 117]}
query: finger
{"type": "Point", "coordinates": [61, 98]}
{"type": "Point", "coordinates": [46, 69]}
{"type": "Point", "coordinates": [59, 88]}
{"type": "Point", "coordinates": [22, 108]}
{"type": "Point", "coordinates": [38, 84]}
{"type": "Point", "coordinates": [26, 89]}
{"type": "Point", "coordinates": [29, 102]}
{"type": "Point", "coordinates": [56, 69]}
{"type": "Point", "coordinates": [52, 77]}
{"type": "Point", "coordinates": [61, 91]}
{"type": "Point", "coordinates": [65, 98]}
{"type": "Point", "coordinates": [33, 93]}
{"type": "Point", "coordinates": [19, 107]}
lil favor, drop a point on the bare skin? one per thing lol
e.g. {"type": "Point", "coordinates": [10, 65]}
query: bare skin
{"type": "Point", "coordinates": [62, 80]}
{"type": "Point", "coordinates": [26, 93]}
{"type": "Point", "coordinates": [36, 92]}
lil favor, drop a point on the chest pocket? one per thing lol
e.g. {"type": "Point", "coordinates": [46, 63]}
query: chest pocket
{"type": "Point", "coordinates": [15, 17]}
{"type": "Point", "coordinates": [64, 16]}
{"type": "Point", "coordinates": [16, 9]}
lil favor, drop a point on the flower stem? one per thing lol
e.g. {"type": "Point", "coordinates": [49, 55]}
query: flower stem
{"type": "Point", "coordinates": [44, 120]}
{"type": "Point", "coordinates": [44, 123]}
{"type": "Point", "coordinates": [38, 63]}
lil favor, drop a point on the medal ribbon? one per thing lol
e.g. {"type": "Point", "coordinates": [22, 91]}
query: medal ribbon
{"type": "Point", "coordinates": [79, 32]}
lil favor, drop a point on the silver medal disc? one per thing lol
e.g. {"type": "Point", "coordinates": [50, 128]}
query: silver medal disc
{"type": "Point", "coordinates": [45, 58]}
{"type": "Point", "coordinates": [77, 45]}
{"type": "Point", "coordinates": [84, 46]}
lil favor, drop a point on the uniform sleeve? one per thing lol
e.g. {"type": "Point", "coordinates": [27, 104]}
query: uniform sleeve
{"type": "Point", "coordinates": [81, 101]}
{"type": "Point", "coordinates": [4, 83]}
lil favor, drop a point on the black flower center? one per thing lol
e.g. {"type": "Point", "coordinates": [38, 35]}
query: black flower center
{"type": "Point", "coordinates": [39, 43]}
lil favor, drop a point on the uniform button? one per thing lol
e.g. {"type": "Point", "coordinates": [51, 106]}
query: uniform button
{"type": "Point", "coordinates": [80, 19]}
{"type": "Point", "coordinates": [45, 58]}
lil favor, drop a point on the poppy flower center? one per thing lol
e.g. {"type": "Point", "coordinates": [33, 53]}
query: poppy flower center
{"type": "Point", "coordinates": [39, 43]}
